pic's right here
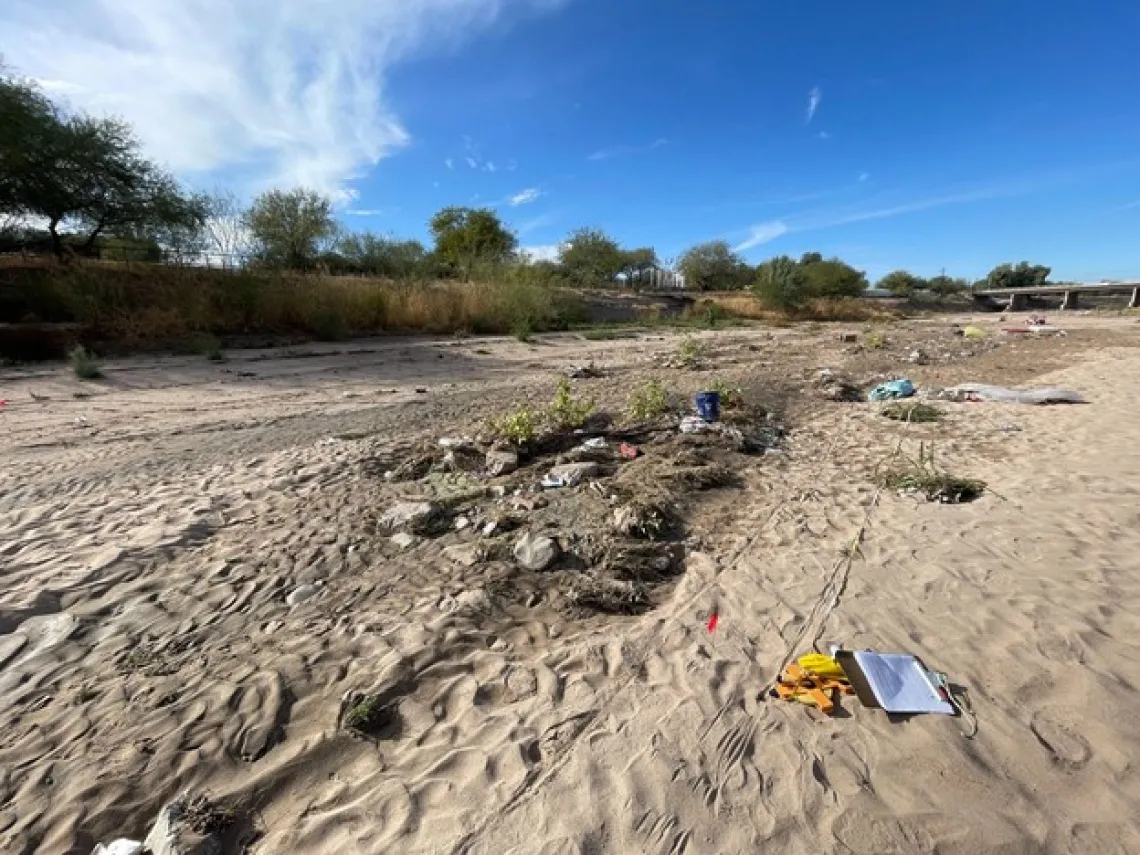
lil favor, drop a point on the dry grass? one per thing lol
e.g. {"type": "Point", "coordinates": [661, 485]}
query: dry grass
{"type": "Point", "coordinates": [139, 306]}
{"type": "Point", "coordinates": [845, 309]}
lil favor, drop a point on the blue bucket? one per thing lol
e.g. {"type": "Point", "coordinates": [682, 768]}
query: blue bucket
{"type": "Point", "coordinates": [708, 406]}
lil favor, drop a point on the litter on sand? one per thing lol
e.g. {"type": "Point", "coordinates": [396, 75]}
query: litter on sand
{"type": "Point", "coordinates": [897, 683]}
{"type": "Point", "coordinates": [890, 390]}
{"type": "Point", "coordinates": [1006, 395]}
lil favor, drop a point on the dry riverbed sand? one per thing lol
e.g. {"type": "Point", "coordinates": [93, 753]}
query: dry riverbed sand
{"type": "Point", "coordinates": [153, 525]}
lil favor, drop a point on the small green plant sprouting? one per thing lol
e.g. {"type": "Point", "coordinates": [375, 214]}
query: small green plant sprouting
{"type": "Point", "coordinates": [690, 352]}
{"type": "Point", "coordinates": [523, 330]}
{"type": "Point", "coordinates": [730, 396]}
{"type": "Point", "coordinates": [566, 413]}
{"type": "Point", "coordinates": [917, 412]}
{"type": "Point", "coordinates": [924, 477]}
{"type": "Point", "coordinates": [647, 402]}
{"type": "Point", "coordinates": [84, 364]}
{"type": "Point", "coordinates": [519, 427]}
{"type": "Point", "coordinates": [875, 340]}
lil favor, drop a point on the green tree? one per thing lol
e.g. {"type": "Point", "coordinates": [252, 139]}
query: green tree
{"type": "Point", "coordinates": [1023, 275]}
{"type": "Point", "coordinates": [86, 175]}
{"type": "Point", "coordinates": [781, 284]}
{"type": "Point", "coordinates": [832, 277]}
{"type": "Point", "coordinates": [465, 237]}
{"type": "Point", "coordinates": [381, 256]}
{"type": "Point", "coordinates": [713, 266]}
{"type": "Point", "coordinates": [944, 286]}
{"type": "Point", "coordinates": [290, 228]}
{"type": "Point", "coordinates": [591, 258]}
{"type": "Point", "coordinates": [902, 283]}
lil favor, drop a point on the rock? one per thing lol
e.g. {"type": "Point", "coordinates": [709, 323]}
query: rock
{"type": "Point", "coordinates": [462, 523]}
{"type": "Point", "coordinates": [500, 462]}
{"type": "Point", "coordinates": [172, 834]}
{"type": "Point", "coordinates": [499, 646]}
{"type": "Point", "coordinates": [535, 551]}
{"type": "Point", "coordinates": [417, 517]}
{"type": "Point", "coordinates": [917, 357]}
{"type": "Point", "coordinates": [472, 602]}
{"type": "Point", "coordinates": [571, 474]}
{"type": "Point", "coordinates": [465, 555]}
{"type": "Point", "coordinates": [122, 846]}
{"type": "Point", "coordinates": [849, 337]}
{"type": "Point", "coordinates": [455, 441]}
{"type": "Point", "coordinates": [403, 540]}
{"type": "Point", "coordinates": [303, 593]}
{"type": "Point", "coordinates": [463, 459]}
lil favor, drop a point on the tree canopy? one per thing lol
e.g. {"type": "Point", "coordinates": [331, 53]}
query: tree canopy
{"type": "Point", "coordinates": [289, 228]}
{"type": "Point", "coordinates": [832, 277]}
{"type": "Point", "coordinates": [1023, 275]}
{"type": "Point", "coordinates": [902, 283]}
{"type": "Point", "coordinates": [590, 257]}
{"type": "Point", "coordinates": [713, 266]}
{"type": "Point", "coordinates": [85, 175]}
{"type": "Point", "coordinates": [465, 237]}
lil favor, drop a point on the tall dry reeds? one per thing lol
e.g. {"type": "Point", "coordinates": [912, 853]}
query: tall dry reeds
{"type": "Point", "coordinates": [139, 306]}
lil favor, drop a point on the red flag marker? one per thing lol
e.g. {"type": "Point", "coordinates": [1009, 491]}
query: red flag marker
{"type": "Point", "coordinates": [713, 618]}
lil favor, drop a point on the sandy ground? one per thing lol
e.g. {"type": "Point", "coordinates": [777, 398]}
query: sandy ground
{"type": "Point", "coordinates": [151, 529]}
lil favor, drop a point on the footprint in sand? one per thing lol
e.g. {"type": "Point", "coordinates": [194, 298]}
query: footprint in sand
{"type": "Point", "coordinates": [1060, 739]}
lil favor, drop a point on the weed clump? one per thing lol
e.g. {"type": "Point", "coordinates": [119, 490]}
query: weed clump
{"type": "Point", "coordinates": [922, 476]}
{"type": "Point", "coordinates": [690, 352]}
{"type": "Point", "coordinates": [647, 402]}
{"type": "Point", "coordinates": [911, 412]}
{"type": "Point", "coordinates": [84, 364]}
{"type": "Point", "coordinates": [875, 340]}
{"type": "Point", "coordinates": [518, 428]}
{"type": "Point", "coordinates": [565, 412]}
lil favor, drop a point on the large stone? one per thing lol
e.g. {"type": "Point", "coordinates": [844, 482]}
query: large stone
{"type": "Point", "coordinates": [403, 540]}
{"type": "Point", "coordinates": [501, 462]}
{"type": "Point", "coordinates": [411, 516]}
{"type": "Point", "coordinates": [574, 473]}
{"type": "Point", "coordinates": [535, 551]}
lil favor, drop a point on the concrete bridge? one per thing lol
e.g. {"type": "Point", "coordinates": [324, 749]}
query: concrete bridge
{"type": "Point", "coordinates": [1069, 294]}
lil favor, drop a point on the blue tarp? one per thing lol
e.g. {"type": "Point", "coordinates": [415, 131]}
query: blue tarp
{"type": "Point", "coordinates": [890, 390]}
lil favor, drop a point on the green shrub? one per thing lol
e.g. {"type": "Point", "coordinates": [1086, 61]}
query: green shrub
{"type": "Point", "coordinates": [519, 427]}
{"type": "Point", "coordinates": [875, 340]}
{"type": "Point", "coordinates": [84, 364]}
{"type": "Point", "coordinates": [647, 402]}
{"type": "Point", "coordinates": [730, 396]}
{"type": "Point", "coordinates": [690, 352]}
{"type": "Point", "coordinates": [566, 413]}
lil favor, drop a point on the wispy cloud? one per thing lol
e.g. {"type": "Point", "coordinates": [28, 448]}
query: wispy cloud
{"type": "Point", "coordinates": [525, 197]}
{"type": "Point", "coordinates": [814, 97]}
{"type": "Point", "coordinates": [816, 220]}
{"type": "Point", "coordinates": [623, 150]}
{"type": "Point", "coordinates": [449, 163]}
{"type": "Point", "coordinates": [261, 93]}
{"type": "Point", "coordinates": [536, 223]}
{"type": "Point", "coordinates": [761, 234]}
{"type": "Point", "coordinates": [543, 252]}
{"type": "Point", "coordinates": [472, 162]}
{"type": "Point", "coordinates": [1129, 206]}
{"type": "Point", "coordinates": [863, 176]}
{"type": "Point", "coordinates": [368, 212]}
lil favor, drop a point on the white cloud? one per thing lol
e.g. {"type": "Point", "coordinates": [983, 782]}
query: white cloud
{"type": "Point", "coordinates": [863, 176]}
{"type": "Point", "coordinates": [367, 212]}
{"type": "Point", "coordinates": [472, 162]}
{"type": "Point", "coordinates": [823, 135]}
{"type": "Point", "coordinates": [449, 163]}
{"type": "Point", "coordinates": [814, 97]}
{"type": "Point", "coordinates": [524, 197]}
{"type": "Point", "coordinates": [285, 92]}
{"type": "Point", "coordinates": [620, 150]}
{"type": "Point", "coordinates": [546, 252]}
{"type": "Point", "coordinates": [761, 234]}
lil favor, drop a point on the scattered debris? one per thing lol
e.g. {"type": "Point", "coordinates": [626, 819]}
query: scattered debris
{"type": "Point", "coordinates": [629, 452]}
{"type": "Point", "coordinates": [501, 462]}
{"type": "Point", "coordinates": [447, 442]}
{"type": "Point", "coordinates": [1005, 395]}
{"type": "Point", "coordinates": [923, 477]}
{"type": "Point", "coordinates": [833, 387]}
{"type": "Point", "coordinates": [1010, 428]}
{"type": "Point", "coordinates": [644, 519]}
{"type": "Point", "coordinates": [974, 333]}
{"type": "Point", "coordinates": [570, 474]}
{"type": "Point", "coordinates": [610, 596]}
{"type": "Point", "coordinates": [583, 372]}
{"type": "Point", "coordinates": [901, 388]}
{"type": "Point", "coordinates": [917, 357]}
{"type": "Point", "coordinates": [708, 406]}
{"type": "Point", "coordinates": [535, 551]}
{"type": "Point", "coordinates": [695, 424]}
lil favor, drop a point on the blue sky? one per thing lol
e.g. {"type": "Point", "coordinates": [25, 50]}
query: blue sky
{"type": "Point", "coordinates": [894, 134]}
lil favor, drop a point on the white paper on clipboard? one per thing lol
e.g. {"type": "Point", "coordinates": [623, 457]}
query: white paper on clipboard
{"type": "Point", "coordinates": [900, 683]}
